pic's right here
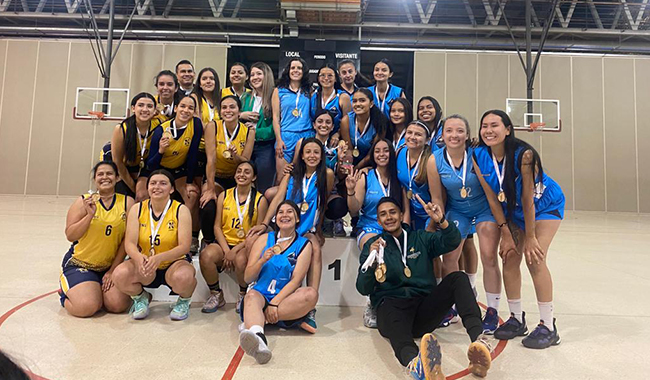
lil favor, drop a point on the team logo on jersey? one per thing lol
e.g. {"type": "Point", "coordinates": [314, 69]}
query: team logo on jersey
{"type": "Point", "coordinates": [242, 144]}
{"type": "Point", "coordinates": [175, 153]}
{"type": "Point", "coordinates": [414, 255]}
{"type": "Point", "coordinates": [82, 270]}
{"type": "Point", "coordinates": [171, 225]}
{"type": "Point", "coordinates": [123, 216]}
{"type": "Point", "coordinates": [186, 141]}
{"type": "Point", "coordinates": [292, 258]}
{"type": "Point", "coordinates": [142, 225]}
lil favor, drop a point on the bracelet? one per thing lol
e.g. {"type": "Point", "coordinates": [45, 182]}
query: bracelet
{"type": "Point", "coordinates": [442, 220]}
{"type": "Point", "coordinates": [272, 305]}
{"type": "Point", "coordinates": [351, 195]}
{"type": "Point", "coordinates": [265, 225]}
{"type": "Point", "coordinates": [502, 224]}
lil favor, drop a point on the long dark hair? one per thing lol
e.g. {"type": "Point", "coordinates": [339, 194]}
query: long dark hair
{"type": "Point", "coordinates": [511, 145]}
{"type": "Point", "coordinates": [251, 206]}
{"type": "Point", "coordinates": [131, 134]}
{"type": "Point", "coordinates": [216, 95]}
{"type": "Point", "coordinates": [319, 96]}
{"type": "Point", "coordinates": [285, 80]}
{"type": "Point", "coordinates": [377, 118]}
{"type": "Point", "coordinates": [321, 173]}
{"type": "Point", "coordinates": [436, 106]}
{"type": "Point", "coordinates": [408, 116]}
{"type": "Point", "coordinates": [395, 190]}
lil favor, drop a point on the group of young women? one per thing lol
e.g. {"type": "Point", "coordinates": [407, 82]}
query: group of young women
{"type": "Point", "coordinates": [263, 171]}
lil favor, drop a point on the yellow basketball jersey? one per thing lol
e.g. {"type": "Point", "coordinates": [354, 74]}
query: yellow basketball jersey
{"type": "Point", "coordinates": [176, 153]}
{"type": "Point", "coordinates": [167, 237]}
{"type": "Point", "coordinates": [205, 119]}
{"type": "Point", "coordinates": [230, 222]}
{"type": "Point", "coordinates": [226, 91]}
{"type": "Point", "coordinates": [159, 116]}
{"type": "Point", "coordinates": [225, 167]}
{"type": "Point", "coordinates": [97, 248]}
{"type": "Point", "coordinates": [139, 158]}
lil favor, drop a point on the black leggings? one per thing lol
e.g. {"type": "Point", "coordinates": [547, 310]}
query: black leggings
{"type": "Point", "coordinates": [208, 214]}
{"type": "Point", "coordinates": [402, 319]}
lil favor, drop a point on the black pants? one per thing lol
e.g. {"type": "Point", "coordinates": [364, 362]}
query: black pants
{"type": "Point", "coordinates": [207, 215]}
{"type": "Point", "coordinates": [403, 319]}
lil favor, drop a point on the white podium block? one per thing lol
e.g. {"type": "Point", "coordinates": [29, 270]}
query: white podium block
{"type": "Point", "coordinates": [340, 258]}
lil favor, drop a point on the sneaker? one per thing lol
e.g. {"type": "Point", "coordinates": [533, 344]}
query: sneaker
{"type": "Point", "coordinates": [309, 323]}
{"type": "Point", "coordinates": [181, 309]}
{"type": "Point", "coordinates": [490, 321]}
{"type": "Point", "coordinates": [328, 228]}
{"type": "Point", "coordinates": [354, 232]}
{"type": "Point", "coordinates": [214, 302]}
{"type": "Point", "coordinates": [194, 247]}
{"type": "Point", "coordinates": [255, 346]}
{"type": "Point", "coordinates": [426, 366]}
{"type": "Point", "coordinates": [542, 337]}
{"type": "Point", "coordinates": [339, 230]}
{"type": "Point", "coordinates": [512, 328]}
{"type": "Point", "coordinates": [479, 355]}
{"type": "Point", "coordinates": [240, 299]}
{"type": "Point", "coordinates": [140, 307]}
{"type": "Point", "coordinates": [370, 317]}
{"type": "Point", "coordinates": [451, 317]}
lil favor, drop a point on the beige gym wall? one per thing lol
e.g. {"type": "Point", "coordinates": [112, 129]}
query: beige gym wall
{"type": "Point", "coordinates": [602, 156]}
{"type": "Point", "coordinates": [42, 149]}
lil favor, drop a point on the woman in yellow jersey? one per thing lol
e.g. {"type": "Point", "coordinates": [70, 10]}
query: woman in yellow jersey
{"type": "Point", "coordinates": [130, 145]}
{"type": "Point", "coordinates": [158, 236]}
{"type": "Point", "coordinates": [239, 209]}
{"type": "Point", "coordinates": [233, 145]}
{"type": "Point", "coordinates": [166, 84]}
{"type": "Point", "coordinates": [208, 98]}
{"type": "Point", "coordinates": [95, 225]}
{"type": "Point", "coordinates": [237, 75]}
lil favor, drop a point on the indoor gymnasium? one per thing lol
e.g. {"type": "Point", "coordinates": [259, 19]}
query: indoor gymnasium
{"type": "Point", "coordinates": [324, 189]}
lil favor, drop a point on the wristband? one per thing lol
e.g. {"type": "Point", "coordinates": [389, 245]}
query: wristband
{"type": "Point", "coordinates": [272, 305]}
{"type": "Point", "coordinates": [502, 224]}
{"type": "Point", "coordinates": [442, 220]}
{"type": "Point", "coordinates": [351, 195]}
{"type": "Point", "coordinates": [265, 225]}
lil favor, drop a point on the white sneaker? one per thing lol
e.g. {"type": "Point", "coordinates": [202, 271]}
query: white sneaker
{"type": "Point", "coordinates": [240, 299]}
{"type": "Point", "coordinates": [253, 345]}
{"type": "Point", "coordinates": [370, 317]}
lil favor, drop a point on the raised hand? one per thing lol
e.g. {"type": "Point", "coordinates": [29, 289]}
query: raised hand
{"type": "Point", "coordinates": [433, 210]}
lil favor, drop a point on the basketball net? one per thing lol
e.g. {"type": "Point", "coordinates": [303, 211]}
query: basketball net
{"type": "Point", "coordinates": [537, 127]}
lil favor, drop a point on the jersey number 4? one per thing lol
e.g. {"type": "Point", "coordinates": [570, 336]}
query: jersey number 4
{"type": "Point", "coordinates": [271, 288]}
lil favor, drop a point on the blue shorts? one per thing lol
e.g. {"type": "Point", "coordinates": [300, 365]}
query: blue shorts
{"type": "Point", "coordinates": [364, 231]}
{"type": "Point", "coordinates": [72, 275]}
{"type": "Point", "coordinates": [291, 139]}
{"type": "Point", "coordinates": [159, 280]}
{"type": "Point", "coordinates": [549, 209]}
{"type": "Point", "coordinates": [280, 324]}
{"type": "Point", "coordinates": [466, 221]}
{"type": "Point", "coordinates": [419, 222]}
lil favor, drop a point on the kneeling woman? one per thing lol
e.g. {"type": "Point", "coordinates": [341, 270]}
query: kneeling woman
{"type": "Point", "coordinates": [95, 225]}
{"type": "Point", "coordinates": [158, 237]}
{"type": "Point", "coordinates": [239, 209]}
{"type": "Point", "coordinates": [277, 265]}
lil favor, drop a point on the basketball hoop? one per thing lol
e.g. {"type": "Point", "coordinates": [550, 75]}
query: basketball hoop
{"type": "Point", "coordinates": [537, 126]}
{"type": "Point", "coordinates": [96, 115]}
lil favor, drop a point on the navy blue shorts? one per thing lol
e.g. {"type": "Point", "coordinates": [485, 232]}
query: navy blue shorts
{"type": "Point", "coordinates": [72, 275]}
{"type": "Point", "coordinates": [159, 280]}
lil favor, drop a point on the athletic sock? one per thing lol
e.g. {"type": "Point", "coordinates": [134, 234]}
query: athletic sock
{"type": "Point", "coordinates": [259, 331]}
{"type": "Point", "coordinates": [546, 314]}
{"type": "Point", "coordinates": [472, 279]}
{"type": "Point", "coordinates": [515, 308]}
{"type": "Point", "coordinates": [242, 289]}
{"type": "Point", "coordinates": [214, 287]}
{"type": "Point", "coordinates": [493, 300]}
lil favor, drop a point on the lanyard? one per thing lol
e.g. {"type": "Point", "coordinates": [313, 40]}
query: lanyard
{"type": "Point", "coordinates": [329, 150]}
{"type": "Point", "coordinates": [305, 186]}
{"type": "Point", "coordinates": [227, 137]}
{"type": "Point", "coordinates": [408, 165]}
{"type": "Point", "coordinates": [383, 102]}
{"type": "Point", "coordinates": [496, 169]}
{"type": "Point", "coordinates": [210, 108]}
{"type": "Point", "coordinates": [381, 183]}
{"type": "Point", "coordinates": [323, 104]}
{"type": "Point", "coordinates": [155, 227]}
{"type": "Point", "coordinates": [241, 212]}
{"type": "Point", "coordinates": [143, 143]}
{"type": "Point", "coordinates": [403, 248]}
{"type": "Point", "coordinates": [463, 168]}
{"type": "Point", "coordinates": [232, 89]}
{"type": "Point", "coordinates": [357, 134]}
{"type": "Point", "coordinates": [298, 97]}
{"type": "Point", "coordinates": [396, 143]}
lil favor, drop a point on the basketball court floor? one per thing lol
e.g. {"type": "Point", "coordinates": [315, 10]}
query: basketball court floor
{"type": "Point", "coordinates": [599, 263]}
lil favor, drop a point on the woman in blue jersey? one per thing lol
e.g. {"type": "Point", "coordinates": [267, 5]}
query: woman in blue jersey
{"type": "Point", "coordinates": [277, 265]}
{"type": "Point", "coordinates": [95, 225]}
{"type": "Point", "coordinates": [528, 207]}
{"type": "Point", "coordinates": [401, 114]}
{"type": "Point", "coordinates": [327, 97]}
{"type": "Point", "coordinates": [383, 92]}
{"type": "Point", "coordinates": [453, 178]}
{"type": "Point", "coordinates": [309, 185]}
{"type": "Point", "coordinates": [430, 112]}
{"type": "Point", "coordinates": [291, 120]}
{"type": "Point", "coordinates": [367, 124]}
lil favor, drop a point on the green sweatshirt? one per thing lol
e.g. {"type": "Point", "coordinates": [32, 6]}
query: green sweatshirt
{"type": "Point", "coordinates": [422, 247]}
{"type": "Point", "coordinates": [264, 127]}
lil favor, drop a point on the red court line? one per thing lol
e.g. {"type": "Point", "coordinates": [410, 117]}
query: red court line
{"type": "Point", "coordinates": [234, 363]}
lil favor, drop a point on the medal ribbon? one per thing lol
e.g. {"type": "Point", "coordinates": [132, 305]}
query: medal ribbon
{"type": "Point", "coordinates": [396, 143]}
{"type": "Point", "coordinates": [227, 137]}
{"type": "Point", "coordinates": [383, 102]}
{"type": "Point", "coordinates": [462, 168]}
{"type": "Point", "coordinates": [143, 143]}
{"type": "Point", "coordinates": [381, 184]}
{"type": "Point", "coordinates": [402, 249]}
{"type": "Point", "coordinates": [175, 131]}
{"type": "Point", "coordinates": [323, 104]}
{"type": "Point", "coordinates": [155, 227]}
{"type": "Point", "coordinates": [372, 257]}
{"type": "Point", "coordinates": [297, 100]}
{"type": "Point", "coordinates": [357, 134]}
{"type": "Point", "coordinates": [408, 165]}
{"type": "Point", "coordinates": [241, 212]}
{"type": "Point", "coordinates": [210, 108]}
{"type": "Point", "coordinates": [305, 186]}
{"type": "Point", "coordinates": [498, 171]}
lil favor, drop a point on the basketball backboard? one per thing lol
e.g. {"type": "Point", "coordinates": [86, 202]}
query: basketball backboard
{"type": "Point", "coordinates": [542, 115]}
{"type": "Point", "coordinates": [90, 100]}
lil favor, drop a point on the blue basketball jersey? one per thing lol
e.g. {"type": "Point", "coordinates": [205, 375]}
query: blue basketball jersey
{"type": "Point", "coordinates": [374, 192]}
{"type": "Point", "coordinates": [393, 93]}
{"type": "Point", "coordinates": [333, 106]}
{"type": "Point", "coordinates": [363, 141]}
{"type": "Point", "coordinates": [417, 211]}
{"type": "Point", "coordinates": [402, 142]}
{"type": "Point", "coordinates": [452, 182]}
{"type": "Point", "coordinates": [436, 142]}
{"type": "Point", "coordinates": [331, 156]}
{"type": "Point", "coordinates": [308, 219]}
{"type": "Point", "coordinates": [288, 121]}
{"type": "Point", "coordinates": [276, 273]}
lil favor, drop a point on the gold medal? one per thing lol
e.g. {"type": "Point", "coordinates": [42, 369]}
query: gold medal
{"type": "Point", "coordinates": [502, 196]}
{"type": "Point", "coordinates": [227, 154]}
{"type": "Point", "coordinates": [160, 107]}
{"type": "Point", "coordinates": [463, 192]}
{"type": "Point", "coordinates": [407, 272]}
{"type": "Point", "coordinates": [295, 112]}
{"type": "Point", "coordinates": [152, 252]}
{"type": "Point", "coordinates": [277, 249]}
{"type": "Point", "coordinates": [355, 152]}
{"type": "Point", "coordinates": [379, 274]}
{"type": "Point", "coordinates": [409, 194]}
{"type": "Point", "coordinates": [304, 207]}
{"type": "Point", "coordinates": [142, 164]}
{"type": "Point", "coordinates": [167, 133]}
{"type": "Point", "coordinates": [94, 197]}
{"type": "Point", "coordinates": [341, 143]}
{"type": "Point", "coordinates": [241, 234]}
